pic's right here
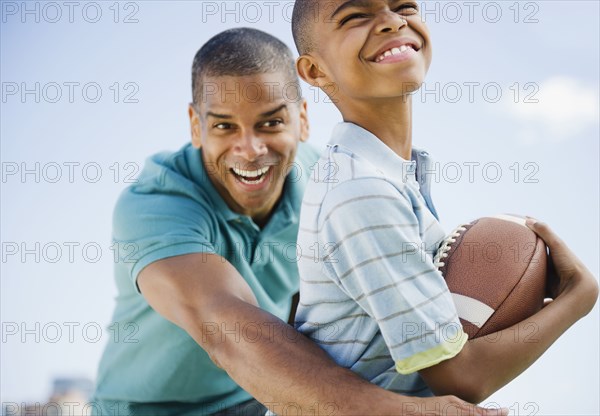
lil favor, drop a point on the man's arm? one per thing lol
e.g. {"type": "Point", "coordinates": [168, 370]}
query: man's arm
{"type": "Point", "coordinates": [207, 297]}
{"type": "Point", "coordinates": [486, 364]}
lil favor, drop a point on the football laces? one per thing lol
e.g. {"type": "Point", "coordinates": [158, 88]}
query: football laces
{"type": "Point", "coordinates": [446, 245]}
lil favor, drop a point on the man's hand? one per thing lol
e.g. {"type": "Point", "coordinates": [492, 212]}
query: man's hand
{"type": "Point", "coordinates": [449, 406]}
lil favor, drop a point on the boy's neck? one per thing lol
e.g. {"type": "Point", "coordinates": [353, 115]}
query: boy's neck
{"type": "Point", "coordinates": [388, 119]}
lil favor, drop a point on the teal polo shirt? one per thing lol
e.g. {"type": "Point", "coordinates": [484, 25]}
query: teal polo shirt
{"type": "Point", "coordinates": [172, 210]}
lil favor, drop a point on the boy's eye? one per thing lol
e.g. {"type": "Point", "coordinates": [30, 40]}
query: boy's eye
{"type": "Point", "coordinates": [352, 16]}
{"type": "Point", "coordinates": [408, 8]}
{"type": "Point", "coordinates": [404, 9]}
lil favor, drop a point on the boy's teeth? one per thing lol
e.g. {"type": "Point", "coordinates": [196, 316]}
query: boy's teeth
{"type": "Point", "coordinates": [393, 51]}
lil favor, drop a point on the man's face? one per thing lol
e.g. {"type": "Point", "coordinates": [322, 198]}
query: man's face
{"type": "Point", "coordinates": [366, 50]}
{"type": "Point", "coordinates": [248, 128]}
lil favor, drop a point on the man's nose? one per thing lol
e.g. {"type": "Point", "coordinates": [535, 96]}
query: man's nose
{"type": "Point", "coordinates": [389, 21]}
{"type": "Point", "coordinates": [251, 147]}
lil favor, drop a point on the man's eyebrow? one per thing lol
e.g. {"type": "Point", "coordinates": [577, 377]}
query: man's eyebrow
{"type": "Point", "coordinates": [274, 111]}
{"type": "Point", "coordinates": [351, 3]}
{"type": "Point", "coordinates": [215, 115]}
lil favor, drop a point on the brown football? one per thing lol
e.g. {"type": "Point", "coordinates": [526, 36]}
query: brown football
{"type": "Point", "coordinates": [495, 268]}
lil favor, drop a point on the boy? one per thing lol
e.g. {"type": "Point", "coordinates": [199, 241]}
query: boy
{"type": "Point", "coordinates": [370, 294]}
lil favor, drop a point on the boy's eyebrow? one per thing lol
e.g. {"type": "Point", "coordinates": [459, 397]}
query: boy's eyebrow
{"type": "Point", "coordinates": [351, 3]}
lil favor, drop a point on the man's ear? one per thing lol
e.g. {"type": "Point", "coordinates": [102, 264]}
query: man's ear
{"type": "Point", "coordinates": [196, 128]}
{"type": "Point", "coordinates": [304, 124]}
{"type": "Point", "coordinates": [309, 70]}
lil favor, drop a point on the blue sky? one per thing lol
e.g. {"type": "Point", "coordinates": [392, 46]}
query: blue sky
{"type": "Point", "coordinates": [537, 158]}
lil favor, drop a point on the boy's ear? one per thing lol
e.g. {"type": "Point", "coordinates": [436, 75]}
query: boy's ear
{"type": "Point", "coordinates": [195, 126]}
{"type": "Point", "coordinates": [309, 70]}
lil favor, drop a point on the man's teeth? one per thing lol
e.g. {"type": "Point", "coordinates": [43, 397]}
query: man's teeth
{"type": "Point", "coordinates": [251, 173]}
{"type": "Point", "coordinates": [251, 176]}
{"type": "Point", "coordinates": [393, 51]}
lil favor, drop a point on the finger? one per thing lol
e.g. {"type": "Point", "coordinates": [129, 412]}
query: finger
{"type": "Point", "coordinates": [491, 412]}
{"type": "Point", "coordinates": [552, 279]}
{"type": "Point", "coordinates": [473, 409]}
{"type": "Point", "coordinates": [544, 231]}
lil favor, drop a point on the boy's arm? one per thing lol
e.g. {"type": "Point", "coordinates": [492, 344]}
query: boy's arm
{"type": "Point", "coordinates": [208, 298]}
{"type": "Point", "coordinates": [486, 364]}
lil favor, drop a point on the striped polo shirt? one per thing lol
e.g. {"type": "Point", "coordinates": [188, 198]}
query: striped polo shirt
{"type": "Point", "coordinates": [369, 293]}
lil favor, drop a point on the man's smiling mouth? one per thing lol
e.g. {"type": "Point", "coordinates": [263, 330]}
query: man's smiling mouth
{"type": "Point", "coordinates": [251, 177]}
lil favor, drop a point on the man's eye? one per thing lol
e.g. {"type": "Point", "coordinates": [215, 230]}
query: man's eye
{"type": "Point", "coordinates": [350, 17]}
{"type": "Point", "coordinates": [272, 123]}
{"type": "Point", "coordinates": [223, 126]}
{"type": "Point", "coordinates": [408, 8]}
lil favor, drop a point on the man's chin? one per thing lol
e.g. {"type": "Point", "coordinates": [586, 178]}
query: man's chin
{"type": "Point", "coordinates": [256, 202]}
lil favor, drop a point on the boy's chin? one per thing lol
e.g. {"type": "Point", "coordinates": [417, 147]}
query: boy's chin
{"type": "Point", "coordinates": [408, 87]}
{"type": "Point", "coordinates": [399, 86]}
{"type": "Point", "coordinates": [403, 89]}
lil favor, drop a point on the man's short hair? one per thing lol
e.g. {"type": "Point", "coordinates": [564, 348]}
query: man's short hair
{"type": "Point", "coordinates": [304, 15]}
{"type": "Point", "coordinates": [241, 52]}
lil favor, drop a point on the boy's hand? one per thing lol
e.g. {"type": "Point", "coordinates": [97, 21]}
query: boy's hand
{"type": "Point", "coordinates": [482, 367]}
{"type": "Point", "coordinates": [566, 272]}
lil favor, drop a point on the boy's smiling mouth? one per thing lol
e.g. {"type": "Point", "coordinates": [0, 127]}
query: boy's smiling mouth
{"type": "Point", "coordinates": [395, 51]}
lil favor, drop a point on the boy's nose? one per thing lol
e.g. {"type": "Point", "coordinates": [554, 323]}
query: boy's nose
{"type": "Point", "coordinates": [251, 147]}
{"type": "Point", "coordinates": [389, 21]}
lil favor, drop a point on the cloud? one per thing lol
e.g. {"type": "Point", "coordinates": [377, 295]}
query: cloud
{"type": "Point", "coordinates": [560, 109]}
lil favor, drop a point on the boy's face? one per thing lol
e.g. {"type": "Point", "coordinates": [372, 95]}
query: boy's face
{"type": "Point", "coordinates": [371, 48]}
{"type": "Point", "coordinates": [248, 128]}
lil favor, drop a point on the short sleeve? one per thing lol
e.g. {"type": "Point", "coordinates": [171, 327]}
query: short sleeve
{"type": "Point", "coordinates": [152, 226]}
{"type": "Point", "coordinates": [379, 260]}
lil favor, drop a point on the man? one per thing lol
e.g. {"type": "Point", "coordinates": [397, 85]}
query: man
{"type": "Point", "coordinates": [207, 263]}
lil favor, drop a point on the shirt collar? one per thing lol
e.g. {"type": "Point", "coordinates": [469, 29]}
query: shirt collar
{"type": "Point", "coordinates": [201, 178]}
{"type": "Point", "coordinates": [365, 144]}
{"type": "Point", "coordinates": [284, 213]}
